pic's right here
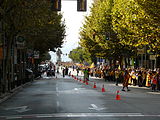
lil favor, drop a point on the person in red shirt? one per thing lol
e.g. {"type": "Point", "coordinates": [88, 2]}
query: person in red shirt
{"type": "Point", "coordinates": [126, 80]}
{"type": "Point", "coordinates": [154, 83]}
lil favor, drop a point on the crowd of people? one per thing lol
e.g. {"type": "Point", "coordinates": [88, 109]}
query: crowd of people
{"type": "Point", "coordinates": [137, 77]}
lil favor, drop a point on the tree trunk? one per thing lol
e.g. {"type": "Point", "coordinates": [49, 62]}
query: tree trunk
{"type": "Point", "coordinates": [121, 62]}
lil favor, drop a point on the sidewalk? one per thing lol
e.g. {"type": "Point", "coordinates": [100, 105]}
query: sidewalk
{"type": "Point", "coordinates": [6, 96]}
{"type": "Point", "coordinates": [111, 87]}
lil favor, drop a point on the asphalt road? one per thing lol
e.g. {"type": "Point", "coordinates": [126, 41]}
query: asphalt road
{"type": "Point", "coordinates": [61, 98]}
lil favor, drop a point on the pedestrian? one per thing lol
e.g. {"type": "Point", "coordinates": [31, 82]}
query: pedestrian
{"type": "Point", "coordinates": [63, 72]}
{"type": "Point", "coordinates": [126, 80]}
{"type": "Point", "coordinates": [57, 69]}
{"type": "Point", "coordinates": [148, 79]}
{"type": "Point", "coordinates": [69, 73]}
{"type": "Point", "coordinates": [121, 75]}
{"type": "Point", "coordinates": [66, 70]}
{"type": "Point", "coordinates": [86, 74]}
{"type": "Point", "coordinates": [144, 75]}
{"type": "Point", "coordinates": [134, 80]}
{"type": "Point", "coordinates": [117, 77]}
{"type": "Point", "coordinates": [154, 83]}
{"type": "Point", "coordinates": [77, 71]}
{"type": "Point", "coordinates": [88, 71]}
{"type": "Point", "coordinates": [105, 74]}
{"type": "Point", "coordinates": [140, 79]}
{"type": "Point", "coordinates": [158, 81]}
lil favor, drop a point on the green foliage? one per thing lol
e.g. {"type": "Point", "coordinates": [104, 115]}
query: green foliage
{"type": "Point", "coordinates": [80, 55]}
{"type": "Point", "coordinates": [45, 56]}
{"type": "Point", "coordinates": [117, 28]}
{"type": "Point", "coordinates": [42, 28]}
{"type": "Point", "coordinates": [97, 33]}
{"type": "Point", "coordinates": [136, 22]}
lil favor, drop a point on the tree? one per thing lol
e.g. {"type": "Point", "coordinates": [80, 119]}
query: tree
{"type": "Point", "coordinates": [41, 28]}
{"type": "Point", "coordinates": [98, 35]}
{"type": "Point", "coordinates": [45, 56]}
{"type": "Point", "coordinates": [80, 55]}
{"type": "Point", "coordinates": [136, 22]}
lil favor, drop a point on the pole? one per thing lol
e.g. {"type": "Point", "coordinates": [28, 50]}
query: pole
{"type": "Point", "coordinates": [141, 60]}
{"type": "Point", "coordinates": [145, 56]}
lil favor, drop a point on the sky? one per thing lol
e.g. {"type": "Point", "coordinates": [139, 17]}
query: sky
{"type": "Point", "coordinates": [73, 20]}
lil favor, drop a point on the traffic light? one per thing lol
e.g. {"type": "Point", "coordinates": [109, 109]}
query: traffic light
{"type": "Point", "coordinates": [107, 36]}
{"type": "Point", "coordinates": [56, 5]}
{"type": "Point", "coordinates": [82, 5]}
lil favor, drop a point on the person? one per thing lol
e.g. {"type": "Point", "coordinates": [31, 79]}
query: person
{"type": "Point", "coordinates": [148, 79]}
{"type": "Point", "coordinates": [125, 81]}
{"type": "Point", "coordinates": [69, 73]}
{"type": "Point", "coordinates": [144, 74]}
{"type": "Point", "coordinates": [140, 79]}
{"type": "Point", "coordinates": [117, 77]}
{"type": "Point", "coordinates": [77, 71]}
{"type": "Point", "coordinates": [154, 83]}
{"type": "Point", "coordinates": [88, 71]}
{"type": "Point", "coordinates": [105, 74]}
{"type": "Point", "coordinates": [66, 70]}
{"type": "Point", "coordinates": [86, 74]}
{"type": "Point", "coordinates": [158, 81]}
{"type": "Point", "coordinates": [63, 72]}
{"type": "Point", "coordinates": [57, 69]}
{"type": "Point", "coordinates": [134, 78]}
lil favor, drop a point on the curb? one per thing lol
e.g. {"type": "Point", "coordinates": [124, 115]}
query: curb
{"type": "Point", "coordinates": [13, 92]}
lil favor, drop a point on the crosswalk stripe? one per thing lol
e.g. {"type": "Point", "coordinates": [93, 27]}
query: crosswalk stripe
{"type": "Point", "coordinates": [72, 115]}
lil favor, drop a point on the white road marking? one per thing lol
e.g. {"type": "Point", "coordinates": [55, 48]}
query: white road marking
{"type": "Point", "coordinates": [44, 116]}
{"type": "Point", "coordinates": [79, 88]}
{"type": "Point", "coordinates": [19, 109]}
{"type": "Point", "coordinates": [70, 115]}
{"type": "Point", "coordinates": [57, 103]}
{"type": "Point", "coordinates": [75, 88]}
{"type": "Point", "coordinates": [155, 93]}
{"type": "Point", "coordinates": [94, 107]}
{"type": "Point", "coordinates": [56, 88]}
{"type": "Point", "coordinates": [14, 108]}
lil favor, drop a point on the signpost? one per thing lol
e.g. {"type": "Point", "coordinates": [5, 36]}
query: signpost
{"type": "Point", "coordinates": [36, 54]}
{"type": "Point", "coordinates": [152, 57]}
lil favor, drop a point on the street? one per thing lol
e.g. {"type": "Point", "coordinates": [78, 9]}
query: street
{"type": "Point", "coordinates": [52, 98]}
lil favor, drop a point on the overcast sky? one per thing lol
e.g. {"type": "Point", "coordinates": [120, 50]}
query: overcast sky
{"type": "Point", "coordinates": [73, 21]}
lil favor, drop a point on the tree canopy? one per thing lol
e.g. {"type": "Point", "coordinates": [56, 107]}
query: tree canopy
{"type": "Point", "coordinates": [117, 28]}
{"type": "Point", "coordinates": [98, 35]}
{"type": "Point", "coordinates": [136, 22]}
{"type": "Point", "coordinates": [42, 28]}
{"type": "Point", "coordinates": [79, 55]}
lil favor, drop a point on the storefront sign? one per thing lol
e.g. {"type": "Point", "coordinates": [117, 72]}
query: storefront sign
{"type": "Point", "coordinates": [152, 57]}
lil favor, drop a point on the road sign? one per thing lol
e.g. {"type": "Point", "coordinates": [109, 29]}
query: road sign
{"type": "Point", "coordinates": [152, 57]}
{"type": "Point", "coordinates": [36, 54]}
{"type": "Point", "coordinates": [141, 51]}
